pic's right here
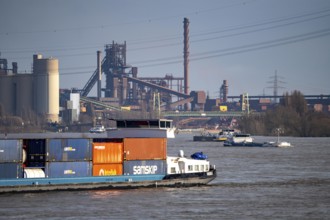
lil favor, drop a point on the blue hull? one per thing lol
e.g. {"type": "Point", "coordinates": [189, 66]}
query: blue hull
{"type": "Point", "coordinates": [81, 180]}
{"type": "Point", "coordinates": [249, 144]}
{"type": "Point", "coordinates": [109, 182]}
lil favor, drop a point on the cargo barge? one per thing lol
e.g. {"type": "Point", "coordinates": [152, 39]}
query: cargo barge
{"type": "Point", "coordinates": [222, 136]}
{"type": "Point", "coordinates": [131, 156]}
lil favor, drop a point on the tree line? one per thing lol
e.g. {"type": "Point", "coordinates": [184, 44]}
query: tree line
{"type": "Point", "coordinates": [292, 116]}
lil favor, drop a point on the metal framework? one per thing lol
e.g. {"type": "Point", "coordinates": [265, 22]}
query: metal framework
{"type": "Point", "coordinates": [125, 86]}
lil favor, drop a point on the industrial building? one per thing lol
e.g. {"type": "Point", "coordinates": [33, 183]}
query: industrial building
{"type": "Point", "coordinates": [124, 90]}
{"type": "Point", "coordinates": [124, 87]}
{"type": "Point", "coordinates": [38, 92]}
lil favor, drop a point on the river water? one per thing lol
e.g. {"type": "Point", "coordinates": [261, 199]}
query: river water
{"type": "Point", "coordinates": [252, 183]}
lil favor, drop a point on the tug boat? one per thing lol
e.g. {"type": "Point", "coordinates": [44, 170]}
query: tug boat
{"type": "Point", "coordinates": [133, 155]}
{"type": "Point", "coordinates": [225, 134]}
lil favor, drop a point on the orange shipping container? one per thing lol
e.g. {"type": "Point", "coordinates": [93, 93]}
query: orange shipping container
{"type": "Point", "coordinates": [107, 152]}
{"type": "Point", "coordinates": [107, 169]}
{"type": "Point", "coordinates": [145, 148]}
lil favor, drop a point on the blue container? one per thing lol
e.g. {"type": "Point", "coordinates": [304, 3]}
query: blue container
{"type": "Point", "coordinates": [11, 151]}
{"type": "Point", "coordinates": [11, 170]}
{"type": "Point", "coordinates": [68, 169]}
{"type": "Point", "coordinates": [145, 167]}
{"type": "Point", "coordinates": [69, 150]}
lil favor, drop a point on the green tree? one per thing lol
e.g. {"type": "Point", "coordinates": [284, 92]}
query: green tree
{"type": "Point", "coordinates": [319, 125]}
{"type": "Point", "coordinates": [253, 124]}
{"type": "Point", "coordinates": [282, 117]}
{"type": "Point", "coordinates": [295, 101]}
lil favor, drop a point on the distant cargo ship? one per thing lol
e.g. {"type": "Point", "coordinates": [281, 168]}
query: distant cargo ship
{"type": "Point", "coordinates": [131, 156]}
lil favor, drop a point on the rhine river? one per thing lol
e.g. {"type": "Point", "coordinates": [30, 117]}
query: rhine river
{"type": "Point", "coordinates": [252, 183]}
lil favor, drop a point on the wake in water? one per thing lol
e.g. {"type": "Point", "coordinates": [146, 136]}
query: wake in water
{"type": "Point", "coordinates": [292, 182]}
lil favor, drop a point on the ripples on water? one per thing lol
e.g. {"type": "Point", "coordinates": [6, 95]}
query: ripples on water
{"type": "Point", "coordinates": [252, 183]}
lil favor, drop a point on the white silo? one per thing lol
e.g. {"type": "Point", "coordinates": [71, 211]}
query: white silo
{"type": "Point", "coordinates": [46, 87]}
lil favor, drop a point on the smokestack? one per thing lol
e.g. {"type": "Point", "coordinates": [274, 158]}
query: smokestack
{"type": "Point", "coordinates": [134, 75]}
{"type": "Point", "coordinates": [14, 64]}
{"type": "Point", "coordinates": [186, 57]}
{"type": "Point", "coordinates": [100, 74]}
{"type": "Point", "coordinates": [225, 91]}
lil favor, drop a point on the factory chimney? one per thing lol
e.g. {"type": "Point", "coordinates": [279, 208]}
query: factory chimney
{"type": "Point", "coordinates": [186, 57]}
{"type": "Point", "coordinates": [225, 91]}
{"type": "Point", "coordinates": [14, 64]}
{"type": "Point", "coordinates": [99, 70]}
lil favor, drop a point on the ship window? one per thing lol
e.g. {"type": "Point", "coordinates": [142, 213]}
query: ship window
{"type": "Point", "coordinates": [162, 124]}
{"type": "Point", "coordinates": [202, 167]}
{"type": "Point", "coordinates": [190, 168]}
{"type": "Point", "coordinates": [207, 167]}
{"type": "Point", "coordinates": [196, 167]}
{"type": "Point", "coordinates": [172, 169]}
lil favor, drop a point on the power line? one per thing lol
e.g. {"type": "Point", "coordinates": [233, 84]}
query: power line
{"type": "Point", "coordinates": [248, 26]}
{"type": "Point", "coordinates": [47, 49]}
{"type": "Point", "coordinates": [147, 20]}
{"type": "Point", "coordinates": [241, 33]}
{"type": "Point", "coordinates": [274, 20]}
{"type": "Point", "coordinates": [250, 47]}
{"type": "Point", "coordinates": [223, 52]}
{"type": "Point", "coordinates": [231, 51]}
{"type": "Point", "coordinates": [262, 29]}
{"type": "Point", "coordinates": [201, 34]}
{"type": "Point", "coordinates": [235, 50]}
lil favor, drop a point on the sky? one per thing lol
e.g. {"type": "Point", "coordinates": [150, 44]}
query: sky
{"type": "Point", "coordinates": [242, 41]}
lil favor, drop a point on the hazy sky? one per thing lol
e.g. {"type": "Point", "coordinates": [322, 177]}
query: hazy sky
{"type": "Point", "coordinates": [242, 41]}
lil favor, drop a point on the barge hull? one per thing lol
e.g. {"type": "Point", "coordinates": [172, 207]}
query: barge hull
{"type": "Point", "coordinates": [117, 182]}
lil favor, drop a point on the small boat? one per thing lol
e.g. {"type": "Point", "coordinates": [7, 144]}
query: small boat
{"type": "Point", "coordinates": [225, 134]}
{"type": "Point", "coordinates": [97, 129]}
{"type": "Point", "coordinates": [283, 144]}
{"type": "Point", "coordinates": [278, 143]}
